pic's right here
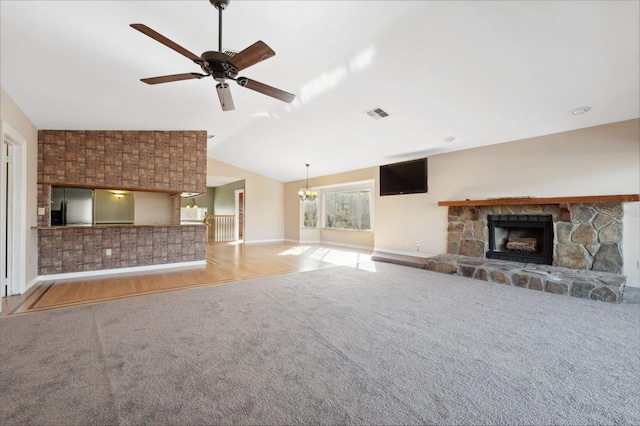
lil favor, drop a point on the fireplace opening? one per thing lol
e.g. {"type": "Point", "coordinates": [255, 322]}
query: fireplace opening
{"type": "Point", "coordinates": [521, 238]}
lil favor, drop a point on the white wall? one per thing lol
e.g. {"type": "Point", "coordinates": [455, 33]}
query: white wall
{"type": "Point", "coordinates": [601, 160]}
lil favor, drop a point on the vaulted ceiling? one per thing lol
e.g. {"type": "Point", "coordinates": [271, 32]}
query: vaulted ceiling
{"type": "Point", "coordinates": [478, 71]}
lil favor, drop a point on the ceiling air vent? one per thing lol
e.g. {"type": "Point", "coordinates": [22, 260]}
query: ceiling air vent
{"type": "Point", "coordinates": [377, 113]}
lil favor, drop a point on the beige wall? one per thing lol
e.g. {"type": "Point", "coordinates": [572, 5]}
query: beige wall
{"type": "Point", "coordinates": [153, 208]}
{"type": "Point", "coordinates": [327, 236]}
{"type": "Point", "coordinates": [111, 209]}
{"type": "Point", "coordinates": [14, 117]}
{"type": "Point", "coordinates": [600, 160]}
{"type": "Point", "coordinates": [263, 213]}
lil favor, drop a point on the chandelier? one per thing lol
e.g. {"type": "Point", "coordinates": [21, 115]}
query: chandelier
{"type": "Point", "coordinates": [306, 193]}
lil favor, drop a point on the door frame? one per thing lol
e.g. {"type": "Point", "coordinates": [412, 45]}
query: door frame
{"type": "Point", "coordinates": [236, 235]}
{"type": "Point", "coordinates": [17, 208]}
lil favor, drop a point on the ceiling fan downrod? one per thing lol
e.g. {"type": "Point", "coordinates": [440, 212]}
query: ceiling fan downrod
{"type": "Point", "coordinates": [220, 5]}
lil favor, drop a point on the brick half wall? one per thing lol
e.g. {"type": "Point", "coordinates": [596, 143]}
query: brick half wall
{"type": "Point", "coordinates": [78, 249]}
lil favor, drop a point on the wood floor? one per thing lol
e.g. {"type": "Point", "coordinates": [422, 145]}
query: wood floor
{"type": "Point", "coordinates": [226, 263]}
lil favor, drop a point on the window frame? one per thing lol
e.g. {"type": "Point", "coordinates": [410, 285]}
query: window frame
{"type": "Point", "coordinates": [368, 185]}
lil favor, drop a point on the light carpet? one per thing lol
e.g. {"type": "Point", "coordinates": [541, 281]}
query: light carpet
{"type": "Point", "coordinates": [337, 346]}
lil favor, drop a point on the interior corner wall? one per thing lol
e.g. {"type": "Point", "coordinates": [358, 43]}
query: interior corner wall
{"type": "Point", "coordinates": [263, 202]}
{"type": "Point", "coordinates": [600, 160]}
{"type": "Point", "coordinates": [224, 201]}
{"type": "Point", "coordinates": [13, 115]}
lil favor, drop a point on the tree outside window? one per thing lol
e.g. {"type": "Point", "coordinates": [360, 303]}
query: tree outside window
{"type": "Point", "coordinates": [349, 209]}
{"type": "Point", "coordinates": [310, 213]}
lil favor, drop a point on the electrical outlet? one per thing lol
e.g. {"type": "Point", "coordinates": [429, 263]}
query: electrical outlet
{"type": "Point", "coordinates": [40, 211]}
{"type": "Point", "coordinates": [417, 245]}
{"type": "Point", "coordinates": [108, 252]}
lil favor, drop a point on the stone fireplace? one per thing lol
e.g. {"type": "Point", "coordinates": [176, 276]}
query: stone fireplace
{"type": "Point", "coordinates": [585, 236]}
{"type": "Point", "coordinates": [563, 245]}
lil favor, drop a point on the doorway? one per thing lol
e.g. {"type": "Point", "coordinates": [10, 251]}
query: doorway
{"type": "Point", "coordinates": [13, 211]}
{"type": "Point", "coordinates": [239, 202]}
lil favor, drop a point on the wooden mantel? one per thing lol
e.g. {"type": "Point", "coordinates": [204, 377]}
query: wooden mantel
{"type": "Point", "coordinates": [563, 202]}
{"type": "Point", "coordinates": [553, 200]}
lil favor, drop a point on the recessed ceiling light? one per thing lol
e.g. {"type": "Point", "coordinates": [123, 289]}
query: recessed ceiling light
{"type": "Point", "coordinates": [449, 139]}
{"type": "Point", "coordinates": [580, 110]}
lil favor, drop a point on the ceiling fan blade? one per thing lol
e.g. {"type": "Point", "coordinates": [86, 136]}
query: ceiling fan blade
{"type": "Point", "coordinates": [253, 54]}
{"type": "Point", "coordinates": [162, 39]}
{"type": "Point", "coordinates": [172, 77]}
{"type": "Point", "coordinates": [265, 89]}
{"type": "Point", "coordinates": [224, 94]}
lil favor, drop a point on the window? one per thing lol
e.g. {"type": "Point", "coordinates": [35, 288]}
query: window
{"type": "Point", "coordinates": [349, 209]}
{"type": "Point", "coordinates": [310, 214]}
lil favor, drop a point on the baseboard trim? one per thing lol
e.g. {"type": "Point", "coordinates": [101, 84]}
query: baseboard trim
{"type": "Point", "coordinates": [330, 243]}
{"type": "Point", "coordinates": [353, 246]}
{"type": "Point", "coordinates": [116, 271]}
{"type": "Point", "coordinates": [264, 241]}
{"type": "Point", "coordinates": [405, 253]}
{"type": "Point", "coordinates": [31, 283]}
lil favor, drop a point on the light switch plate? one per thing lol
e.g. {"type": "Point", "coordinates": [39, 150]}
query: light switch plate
{"type": "Point", "coordinates": [40, 211]}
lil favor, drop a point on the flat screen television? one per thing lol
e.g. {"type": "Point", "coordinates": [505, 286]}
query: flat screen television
{"type": "Point", "coordinates": [408, 177]}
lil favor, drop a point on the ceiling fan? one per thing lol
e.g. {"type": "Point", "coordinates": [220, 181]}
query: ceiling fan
{"type": "Point", "coordinates": [220, 65]}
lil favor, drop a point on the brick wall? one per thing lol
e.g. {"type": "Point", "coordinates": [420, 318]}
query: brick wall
{"type": "Point", "coordinates": [166, 161]}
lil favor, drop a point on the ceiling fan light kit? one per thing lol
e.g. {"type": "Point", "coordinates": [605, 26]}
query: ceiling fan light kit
{"type": "Point", "coordinates": [221, 66]}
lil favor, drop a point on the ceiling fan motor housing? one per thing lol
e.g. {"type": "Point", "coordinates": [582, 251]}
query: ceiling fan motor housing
{"type": "Point", "coordinates": [220, 4]}
{"type": "Point", "coordinates": [215, 65]}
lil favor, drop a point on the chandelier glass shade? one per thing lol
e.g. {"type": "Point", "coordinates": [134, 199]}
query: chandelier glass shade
{"type": "Point", "coordinates": [306, 194]}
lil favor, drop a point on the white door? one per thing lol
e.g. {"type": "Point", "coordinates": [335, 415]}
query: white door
{"type": "Point", "coordinates": [6, 220]}
{"type": "Point", "coordinates": [13, 211]}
